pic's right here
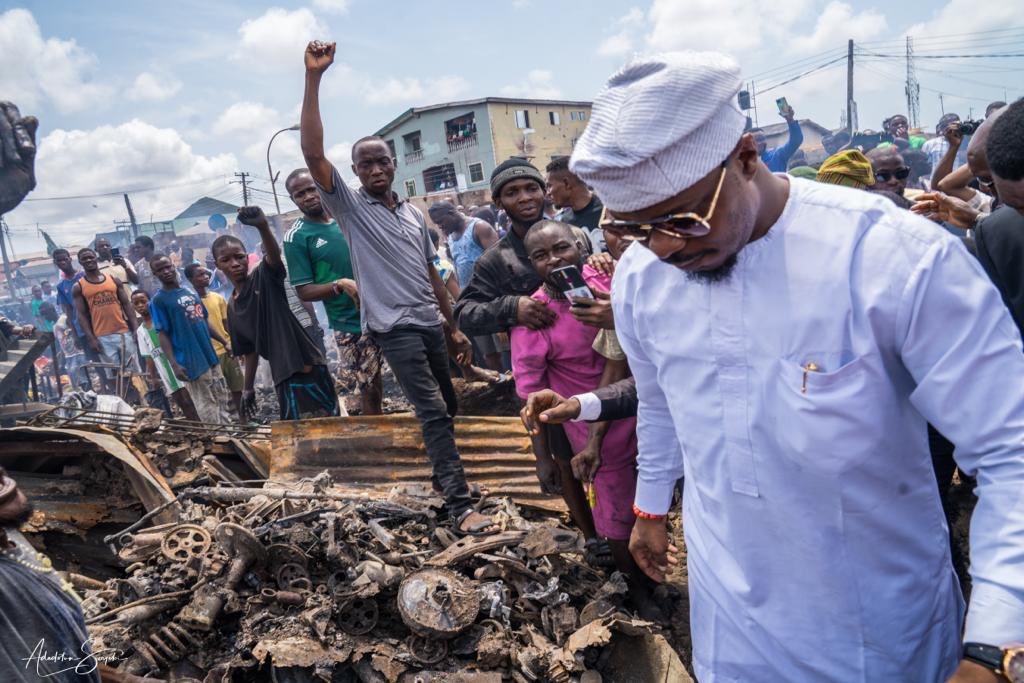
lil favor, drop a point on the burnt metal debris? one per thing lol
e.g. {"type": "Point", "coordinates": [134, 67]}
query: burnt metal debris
{"type": "Point", "coordinates": [252, 580]}
{"type": "Point", "coordinates": [224, 574]}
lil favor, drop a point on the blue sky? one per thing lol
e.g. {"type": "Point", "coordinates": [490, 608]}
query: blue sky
{"type": "Point", "coordinates": [179, 95]}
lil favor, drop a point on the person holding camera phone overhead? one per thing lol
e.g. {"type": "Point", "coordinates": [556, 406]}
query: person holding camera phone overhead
{"type": "Point", "coordinates": [777, 157]}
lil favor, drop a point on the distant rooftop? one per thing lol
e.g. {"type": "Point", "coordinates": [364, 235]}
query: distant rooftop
{"type": "Point", "coordinates": [409, 113]}
{"type": "Point", "coordinates": [780, 128]}
{"type": "Point", "coordinates": [207, 206]}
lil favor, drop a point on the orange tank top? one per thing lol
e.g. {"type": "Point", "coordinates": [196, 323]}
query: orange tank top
{"type": "Point", "coordinates": [104, 308]}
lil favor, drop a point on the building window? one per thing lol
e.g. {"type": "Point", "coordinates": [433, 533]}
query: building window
{"type": "Point", "coordinates": [413, 150]}
{"type": "Point", "coordinates": [522, 118]}
{"type": "Point", "coordinates": [555, 118]}
{"type": "Point", "coordinates": [391, 146]}
{"type": "Point", "coordinates": [438, 178]}
{"type": "Point", "coordinates": [577, 116]}
{"type": "Point", "coordinates": [412, 142]}
{"type": "Point", "coordinates": [476, 173]}
{"type": "Point", "coordinates": [460, 132]}
{"type": "Point", "coordinates": [410, 187]}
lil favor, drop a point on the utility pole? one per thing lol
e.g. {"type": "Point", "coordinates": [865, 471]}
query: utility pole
{"type": "Point", "coordinates": [849, 86]}
{"type": "Point", "coordinates": [753, 102]}
{"type": "Point", "coordinates": [942, 105]}
{"type": "Point", "coordinates": [245, 188]}
{"type": "Point", "coordinates": [131, 217]}
{"type": "Point", "coordinates": [913, 88]}
{"type": "Point", "coordinates": [7, 262]}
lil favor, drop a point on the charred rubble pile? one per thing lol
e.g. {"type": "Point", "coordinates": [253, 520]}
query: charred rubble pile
{"type": "Point", "coordinates": [251, 582]}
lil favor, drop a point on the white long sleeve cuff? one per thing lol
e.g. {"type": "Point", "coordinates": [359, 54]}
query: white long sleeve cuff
{"type": "Point", "coordinates": [590, 407]}
{"type": "Point", "coordinates": [654, 497]}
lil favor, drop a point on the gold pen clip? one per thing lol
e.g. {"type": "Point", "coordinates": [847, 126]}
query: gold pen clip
{"type": "Point", "coordinates": [810, 366]}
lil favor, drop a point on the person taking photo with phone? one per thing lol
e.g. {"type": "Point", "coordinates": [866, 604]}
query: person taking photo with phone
{"type": "Point", "coordinates": [777, 158]}
{"type": "Point", "coordinates": [562, 357]}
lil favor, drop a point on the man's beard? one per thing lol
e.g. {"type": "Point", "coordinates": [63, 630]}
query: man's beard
{"type": "Point", "coordinates": [720, 274]}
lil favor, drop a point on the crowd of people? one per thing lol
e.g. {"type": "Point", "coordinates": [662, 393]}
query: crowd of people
{"type": "Point", "coordinates": [804, 355]}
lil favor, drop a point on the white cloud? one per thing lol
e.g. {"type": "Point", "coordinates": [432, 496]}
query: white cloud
{"type": "Point", "coordinates": [335, 6]}
{"type": "Point", "coordinates": [737, 26]}
{"type": "Point", "coordinates": [836, 24]}
{"type": "Point", "coordinates": [635, 17]}
{"type": "Point", "coordinates": [962, 16]}
{"type": "Point", "coordinates": [520, 4]}
{"type": "Point", "coordinates": [616, 45]}
{"type": "Point", "coordinates": [538, 84]}
{"type": "Point", "coordinates": [277, 38]}
{"type": "Point", "coordinates": [621, 43]}
{"type": "Point", "coordinates": [131, 155]}
{"type": "Point", "coordinates": [149, 87]}
{"type": "Point", "coordinates": [413, 90]}
{"type": "Point", "coordinates": [704, 24]}
{"type": "Point", "coordinates": [247, 118]}
{"type": "Point", "coordinates": [340, 154]}
{"type": "Point", "coordinates": [37, 70]}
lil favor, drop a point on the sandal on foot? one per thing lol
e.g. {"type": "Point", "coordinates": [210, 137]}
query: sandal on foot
{"type": "Point", "coordinates": [597, 553]}
{"type": "Point", "coordinates": [484, 527]}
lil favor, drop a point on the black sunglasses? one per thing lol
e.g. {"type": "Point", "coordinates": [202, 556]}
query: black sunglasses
{"type": "Point", "coordinates": [898, 174]}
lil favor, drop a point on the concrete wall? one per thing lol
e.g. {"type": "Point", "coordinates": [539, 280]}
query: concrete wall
{"type": "Point", "coordinates": [546, 141]}
{"type": "Point", "coordinates": [434, 144]}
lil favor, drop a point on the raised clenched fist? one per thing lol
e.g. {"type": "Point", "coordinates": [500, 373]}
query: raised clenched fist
{"type": "Point", "coordinates": [319, 55]}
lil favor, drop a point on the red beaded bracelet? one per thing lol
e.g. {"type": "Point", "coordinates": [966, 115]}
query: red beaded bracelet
{"type": "Point", "coordinates": [646, 515]}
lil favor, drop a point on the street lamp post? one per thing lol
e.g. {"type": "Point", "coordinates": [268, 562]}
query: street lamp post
{"type": "Point", "coordinates": [270, 172]}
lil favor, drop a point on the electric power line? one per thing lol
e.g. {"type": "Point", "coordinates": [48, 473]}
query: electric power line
{"type": "Point", "coordinates": [963, 56]}
{"type": "Point", "coordinates": [115, 193]}
{"type": "Point", "coordinates": [946, 35]}
{"type": "Point", "coordinates": [820, 67]}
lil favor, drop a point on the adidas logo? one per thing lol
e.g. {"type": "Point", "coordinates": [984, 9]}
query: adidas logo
{"type": "Point", "coordinates": [320, 242]}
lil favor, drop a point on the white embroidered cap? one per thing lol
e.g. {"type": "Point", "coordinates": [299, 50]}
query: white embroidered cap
{"type": "Point", "coordinates": [660, 124]}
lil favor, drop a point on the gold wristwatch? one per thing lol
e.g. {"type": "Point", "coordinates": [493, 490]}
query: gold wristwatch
{"type": "Point", "coordinates": [1006, 661]}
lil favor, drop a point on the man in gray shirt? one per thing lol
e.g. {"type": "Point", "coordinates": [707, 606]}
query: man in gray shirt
{"type": "Point", "coordinates": [401, 296]}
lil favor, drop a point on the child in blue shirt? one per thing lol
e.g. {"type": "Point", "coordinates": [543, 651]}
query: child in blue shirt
{"type": "Point", "coordinates": [179, 318]}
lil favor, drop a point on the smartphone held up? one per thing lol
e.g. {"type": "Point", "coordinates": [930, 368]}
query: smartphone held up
{"type": "Point", "coordinates": [570, 282]}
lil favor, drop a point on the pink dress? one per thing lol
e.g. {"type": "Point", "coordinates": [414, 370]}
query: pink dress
{"type": "Point", "coordinates": [562, 358]}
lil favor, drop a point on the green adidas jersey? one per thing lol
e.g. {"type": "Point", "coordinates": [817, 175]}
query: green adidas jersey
{"type": "Point", "coordinates": [317, 253]}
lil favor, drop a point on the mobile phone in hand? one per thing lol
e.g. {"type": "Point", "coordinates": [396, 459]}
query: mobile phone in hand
{"type": "Point", "coordinates": [570, 282]}
{"type": "Point", "coordinates": [782, 104]}
{"type": "Point", "coordinates": [115, 252]}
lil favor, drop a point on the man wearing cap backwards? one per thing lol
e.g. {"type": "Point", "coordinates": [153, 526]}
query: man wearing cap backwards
{"type": "Point", "coordinates": [793, 339]}
{"type": "Point", "coordinates": [402, 298]}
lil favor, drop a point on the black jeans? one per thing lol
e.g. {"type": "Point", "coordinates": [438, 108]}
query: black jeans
{"type": "Point", "coordinates": [419, 358]}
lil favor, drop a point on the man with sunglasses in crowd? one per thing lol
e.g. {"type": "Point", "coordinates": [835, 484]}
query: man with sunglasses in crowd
{"type": "Point", "coordinates": [790, 342]}
{"type": "Point", "coordinates": [891, 171]}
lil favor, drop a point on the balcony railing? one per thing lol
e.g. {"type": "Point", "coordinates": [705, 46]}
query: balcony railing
{"type": "Point", "coordinates": [415, 155]}
{"type": "Point", "coordinates": [455, 144]}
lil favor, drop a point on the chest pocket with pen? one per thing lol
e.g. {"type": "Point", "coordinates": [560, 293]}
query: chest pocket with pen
{"type": "Point", "coordinates": [822, 407]}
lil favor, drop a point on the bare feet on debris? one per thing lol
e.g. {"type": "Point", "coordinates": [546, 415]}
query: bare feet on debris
{"type": "Point", "coordinates": [475, 374]}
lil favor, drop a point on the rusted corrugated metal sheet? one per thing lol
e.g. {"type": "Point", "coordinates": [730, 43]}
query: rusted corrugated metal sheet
{"type": "Point", "coordinates": [382, 451]}
{"type": "Point", "coordinates": [25, 451]}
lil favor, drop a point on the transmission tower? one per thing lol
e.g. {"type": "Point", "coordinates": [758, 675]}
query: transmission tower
{"type": "Point", "coordinates": [913, 88]}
